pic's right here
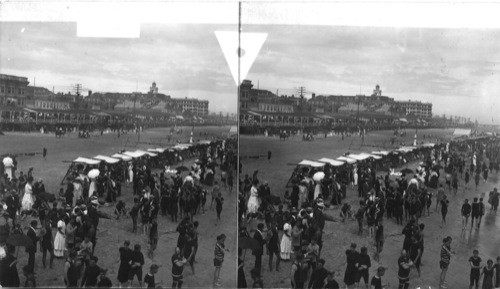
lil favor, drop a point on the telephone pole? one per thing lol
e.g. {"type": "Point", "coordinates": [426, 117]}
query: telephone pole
{"type": "Point", "coordinates": [301, 90]}
{"type": "Point", "coordinates": [77, 88]}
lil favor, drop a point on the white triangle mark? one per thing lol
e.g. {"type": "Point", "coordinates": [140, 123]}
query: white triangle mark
{"type": "Point", "coordinates": [251, 43]}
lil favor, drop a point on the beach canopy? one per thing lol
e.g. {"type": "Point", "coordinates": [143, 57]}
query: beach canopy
{"type": "Point", "coordinates": [359, 157]}
{"type": "Point", "coordinates": [406, 149]}
{"type": "Point", "coordinates": [370, 156]}
{"type": "Point", "coordinates": [332, 162]}
{"type": "Point", "coordinates": [82, 160]}
{"type": "Point", "coordinates": [157, 150]}
{"type": "Point", "coordinates": [181, 146]}
{"type": "Point", "coordinates": [147, 153]}
{"type": "Point", "coordinates": [204, 142]}
{"type": "Point", "coordinates": [313, 164]}
{"type": "Point", "coordinates": [106, 159]}
{"type": "Point", "coordinates": [135, 155]}
{"type": "Point", "coordinates": [346, 159]}
{"type": "Point", "coordinates": [123, 157]}
{"type": "Point", "coordinates": [429, 145]}
{"type": "Point", "coordinates": [381, 153]}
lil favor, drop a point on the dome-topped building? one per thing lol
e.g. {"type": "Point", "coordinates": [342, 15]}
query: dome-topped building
{"type": "Point", "coordinates": [153, 89]}
{"type": "Point", "coordinates": [377, 91]}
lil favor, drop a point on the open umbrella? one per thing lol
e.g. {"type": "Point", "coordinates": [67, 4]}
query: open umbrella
{"type": "Point", "coordinates": [182, 169]}
{"type": "Point", "coordinates": [407, 171]}
{"type": "Point", "coordinates": [318, 176]}
{"type": "Point", "coordinates": [94, 173]}
{"type": "Point", "coordinates": [248, 243]}
{"type": "Point", "coordinates": [8, 162]}
{"type": "Point", "coordinates": [19, 240]}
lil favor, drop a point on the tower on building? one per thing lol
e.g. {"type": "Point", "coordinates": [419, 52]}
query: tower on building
{"type": "Point", "coordinates": [377, 91]}
{"type": "Point", "coordinates": [153, 89]}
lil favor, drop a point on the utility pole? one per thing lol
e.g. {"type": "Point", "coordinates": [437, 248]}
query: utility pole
{"type": "Point", "coordinates": [77, 87]}
{"type": "Point", "coordinates": [301, 91]}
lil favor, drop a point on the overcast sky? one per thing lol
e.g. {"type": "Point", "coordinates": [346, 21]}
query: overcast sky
{"type": "Point", "coordinates": [457, 70]}
{"type": "Point", "coordinates": [184, 60]}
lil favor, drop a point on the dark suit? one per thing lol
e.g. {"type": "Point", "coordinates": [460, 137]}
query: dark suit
{"type": "Point", "coordinates": [260, 251]}
{"type": "Point", "coordinates": [31, 250]}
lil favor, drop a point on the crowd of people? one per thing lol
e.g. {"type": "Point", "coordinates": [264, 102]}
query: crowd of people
{"type": "Point", "coordinates": [65, 225]}
{"type": "Point", "coordinates": [297, 232]}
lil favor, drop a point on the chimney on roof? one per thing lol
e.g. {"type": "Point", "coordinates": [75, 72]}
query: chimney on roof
{"type": "Point", "coordinates": [313, 95]}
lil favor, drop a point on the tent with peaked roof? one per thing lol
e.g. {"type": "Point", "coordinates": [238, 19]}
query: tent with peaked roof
{"type": "Point", "coordinates": [335, 163]}
{"type": "Point", "coordinates": [122, 156]}
{"type": "Point", "coordinates": [107, 159]}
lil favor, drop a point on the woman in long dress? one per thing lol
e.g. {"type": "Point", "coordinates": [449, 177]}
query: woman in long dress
{"type": "Point", "coordinates": [286, 242]}
{"type": "Point", "coordinates": [317, 190]}
{"type": "Point", "coordinates": [27, 202]}
{"type": "Point", "coordinates": [60, 240]}
{"type": "Point", "coordinates": [355, 175]}
{"type": "Point", "coordinates": [92, 188]}
{"type": "Point", "coordinates": [130, 173]}
{"type": "Point", "coordinates": [253, 201]}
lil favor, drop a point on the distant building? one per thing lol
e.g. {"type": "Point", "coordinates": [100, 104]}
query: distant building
{"type": "Point", "coordinates": [153, 89]}
{"type": "Point", "coordinates": [13, 90]}
{"type": "Point", "coordinates": [37, 92]}
{"type": "Point", "coordinates": [377, 91]}
{"type": "Point", "coordinates": [275, 107]}
{"type": "Point", "coordinates": [416, 108]}
{"type": "Point", "coordinates": [250, 97]}
{"type": "Point", "coordinates": [193, 105]}
{"type": "Point", "coordinates": [49, 104]}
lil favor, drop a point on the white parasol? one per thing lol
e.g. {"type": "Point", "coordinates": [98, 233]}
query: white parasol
{"type": "Point", "coordinates": [319, 176]}
{"type": "Point", "coordinates": [8, 162]}
{"type": "Point", "coordinates": [94, 173]}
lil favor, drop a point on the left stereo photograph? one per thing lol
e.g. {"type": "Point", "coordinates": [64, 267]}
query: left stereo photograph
{"type": "Point", "coordinates": [118, 156]}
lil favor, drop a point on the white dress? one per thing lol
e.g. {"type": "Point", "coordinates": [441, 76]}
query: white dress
{"type": "Point", "coordinates": [130, 174]}
{"type": "Point", "coordinates": [92, 188]}
{"type": "Point", "coordinates": [355, 178]}
{"type": "Point", "coordinates": [317, 190]}
{"type": "Point", "coordinates": [27, 202]}
{"type": "Point", "coordinates": [286, 242]}
{"type": "Point", "coordinates": [60, 240]}
{"type": "Point", "coordinates": [253, 201]}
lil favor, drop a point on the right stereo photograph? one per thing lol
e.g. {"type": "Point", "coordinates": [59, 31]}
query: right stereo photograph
{"type": "Point", "coordinates": [369, 157]}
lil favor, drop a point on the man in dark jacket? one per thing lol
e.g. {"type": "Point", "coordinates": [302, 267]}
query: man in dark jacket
{"type": "Point", "coordinates": [259, 251]}
{"type": "Point", "coordinates": [46, 243]}
{"type": "Point", "coordinates": [32, 249]}
{"type": "Point", "coordinates": [318, 276]}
